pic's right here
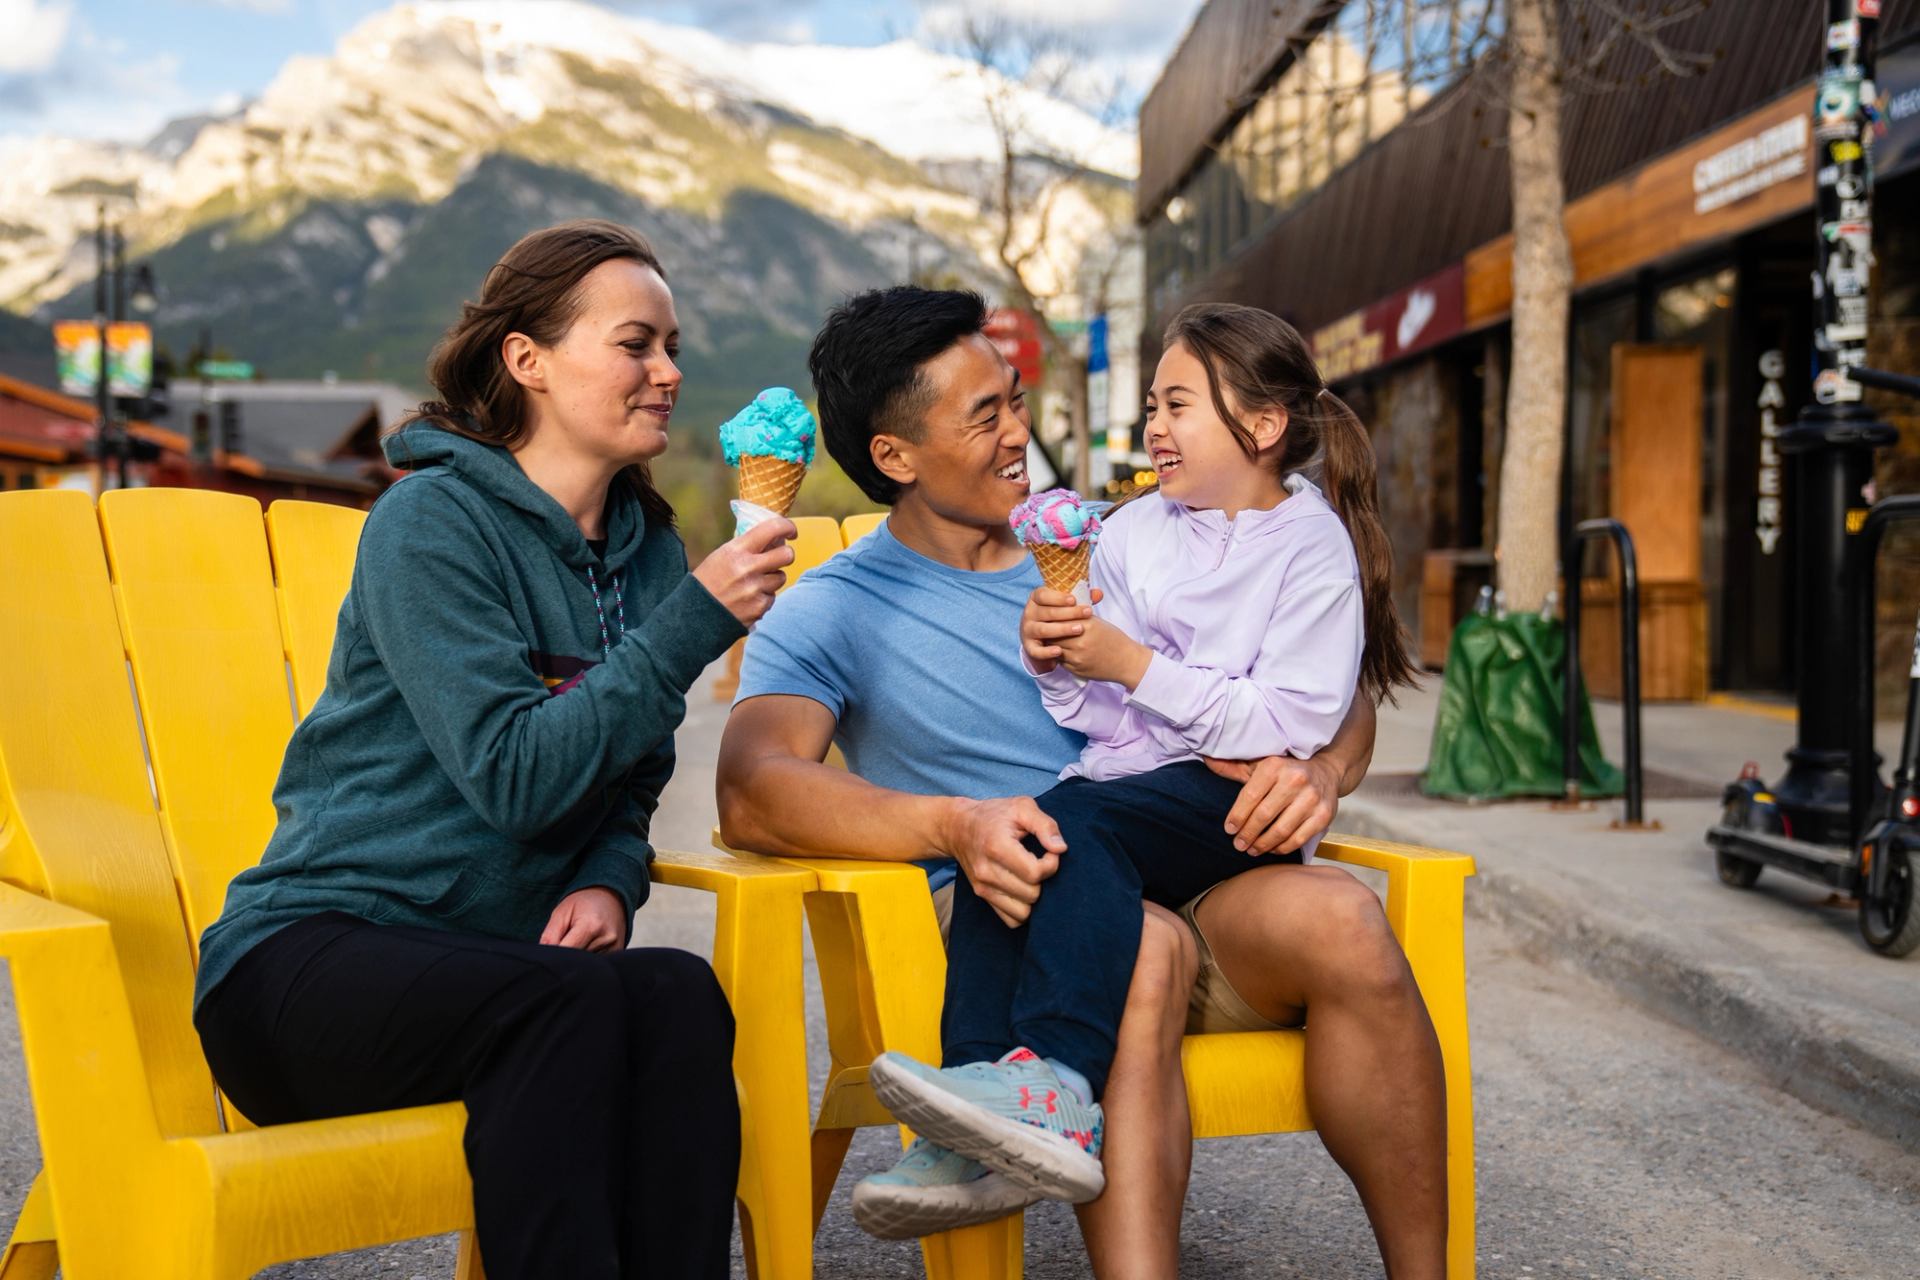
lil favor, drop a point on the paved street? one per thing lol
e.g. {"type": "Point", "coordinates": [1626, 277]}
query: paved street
{"type": "Point", "coordinates": [1611, 1144]}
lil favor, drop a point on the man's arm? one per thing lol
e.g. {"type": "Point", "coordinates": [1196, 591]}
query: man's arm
{"type": "Point", "coordinates": [776, 795]}
{"type": "Point", "coordinates": [1284, 802]}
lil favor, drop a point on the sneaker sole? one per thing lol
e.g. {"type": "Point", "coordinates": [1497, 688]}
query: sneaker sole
{"type": "Point", "coordinates": [893, 1212]}
{"type": "Point", "coordinates": [1030, 1157]}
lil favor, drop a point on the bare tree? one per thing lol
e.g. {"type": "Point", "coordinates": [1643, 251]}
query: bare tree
{"type": "Point", "coordinates": [1016, 63]}
{"type": "Point", "coordinates": [1520, 60]}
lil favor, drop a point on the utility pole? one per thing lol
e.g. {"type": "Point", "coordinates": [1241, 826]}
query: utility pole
{"type": "Point", "coordinates": [103, 444]}
{"type": "Point", "coordinates": [1830, 448]}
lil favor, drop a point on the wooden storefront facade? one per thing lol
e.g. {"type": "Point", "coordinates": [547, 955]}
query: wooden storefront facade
{"type": "Point", "coordinates": [1689, 220]}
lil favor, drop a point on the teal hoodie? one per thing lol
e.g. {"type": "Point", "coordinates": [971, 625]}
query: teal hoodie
{"type": "Point", "coordinates": [473, 759]}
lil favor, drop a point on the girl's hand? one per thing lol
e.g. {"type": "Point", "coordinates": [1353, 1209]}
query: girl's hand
{"type": "Point", "coordinates": [587, 920]}
{"type": "Point", "coordinates": [1050, 617]}
{"type": "Point", "coordinates": [1103, 651]}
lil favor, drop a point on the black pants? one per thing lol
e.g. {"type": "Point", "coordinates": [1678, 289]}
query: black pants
{"type": "Point", "coordinates": [603, 1131]}
{"type": "Point", "coordinates": [1058, 984]}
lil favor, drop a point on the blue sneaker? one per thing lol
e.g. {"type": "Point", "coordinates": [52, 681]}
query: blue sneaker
{"type": "Point", "coordinates": [1014, 1116]}
{"type": "Point", "coordinates": [932, 1190]}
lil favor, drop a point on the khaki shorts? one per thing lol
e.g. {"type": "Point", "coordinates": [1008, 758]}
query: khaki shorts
{"type": "Point", "coordinates": [1214, 1005]}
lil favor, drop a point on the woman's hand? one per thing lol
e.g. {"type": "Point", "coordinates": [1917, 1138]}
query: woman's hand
{"type": "Point", "coordinates": [1283, 802]}
{"type": "Point", "coordinates": [743, 574]}
{"type": "Point", "coordinates": [587, 920]}
{"type": "Point", "coordinates": [1102, 651]}
{"type": "Point", "coordinates": [1050, 617]}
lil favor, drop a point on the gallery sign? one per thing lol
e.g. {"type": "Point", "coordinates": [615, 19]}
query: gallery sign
{"type": "Point", "coordinates": [1420, 316]}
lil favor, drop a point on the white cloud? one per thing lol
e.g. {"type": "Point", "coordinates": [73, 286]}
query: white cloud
{"type": "Point", "coordinates": [36, 33]}
{"type": "Point", "coordinates": [1122, 44]}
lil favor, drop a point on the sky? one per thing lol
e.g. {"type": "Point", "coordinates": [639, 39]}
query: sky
{"type": "Point", "coordinates": [120, 68]}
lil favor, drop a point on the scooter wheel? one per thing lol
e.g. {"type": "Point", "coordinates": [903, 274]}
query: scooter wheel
{"type": "Point", "coordinates": [1740, 873]}
{"type": "Point", "coordinates": [1890, 924]}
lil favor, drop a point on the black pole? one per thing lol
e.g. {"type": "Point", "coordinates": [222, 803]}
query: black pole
{"type": "Point", "coordinates": [1629, 663]}
{"type": "Point", "coordinates": [1570, 548]}
{"type": "Point", "coordinates": [1629, 667]}
{"type": "Point", "coordinates": [122, 446]}
{"type": "Point", "coordinates": [1830, 448]}
{"type": "Point", "coordinates": [103, 405]}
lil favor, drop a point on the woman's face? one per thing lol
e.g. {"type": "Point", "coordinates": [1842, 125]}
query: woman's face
{"type": "Point", "coordinates": [611, 380]}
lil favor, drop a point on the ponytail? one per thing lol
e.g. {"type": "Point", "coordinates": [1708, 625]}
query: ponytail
{"type": "Point", "coordinates": [1352, 489]}
{"type": "Point", "coordinates": [1264, 362]}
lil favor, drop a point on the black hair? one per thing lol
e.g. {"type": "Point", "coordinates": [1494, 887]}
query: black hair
{"type": "Point", "coordinates": [867, 364]}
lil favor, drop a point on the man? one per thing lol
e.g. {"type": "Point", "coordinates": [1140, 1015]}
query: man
{"type": "Point", "coordinates": [904, 650]}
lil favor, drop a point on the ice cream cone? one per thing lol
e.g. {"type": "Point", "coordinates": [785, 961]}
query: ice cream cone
{"type": "Point", "coordinates": [1061, 569]}
{"type": "Point", "coordinates": [772, 483]}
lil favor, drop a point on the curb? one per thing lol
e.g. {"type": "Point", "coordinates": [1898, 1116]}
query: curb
{"type": "Point", "coordinates": [1829, 1059]}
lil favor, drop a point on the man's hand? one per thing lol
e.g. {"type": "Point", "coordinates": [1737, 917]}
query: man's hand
{"type": "Point", "coordinates": [1102, 651]}
{"type": "Point", "coordinates": [984, 837]}
{"type": "Point", "coordinates": [1283, 802]}
{"type": "Point", "coordinates": [588, 920]}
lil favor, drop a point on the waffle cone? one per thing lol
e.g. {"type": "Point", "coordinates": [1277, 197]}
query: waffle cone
{"type": "Point", "coordinates": [772, 483]}
{"type": "Point", "coordinates": [1062, 569]}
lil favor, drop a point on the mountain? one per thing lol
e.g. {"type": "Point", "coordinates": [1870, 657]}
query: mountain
{"type": "Point", "coordinates": [336, 222]}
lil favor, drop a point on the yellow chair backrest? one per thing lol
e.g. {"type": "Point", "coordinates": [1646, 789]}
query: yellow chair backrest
{"type": "Point", "coordinates": [203, 634]}
{"type": "Point", "coordinates": [77, 820]}
{"type": "Point", "coordinates": [818, 539]}
{"type": "Point", "coordinates": [313, 545]}
{"type": "Point", "coordinates": [854, 528]}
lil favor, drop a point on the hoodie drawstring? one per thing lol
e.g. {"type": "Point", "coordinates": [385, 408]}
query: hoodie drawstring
{"type": "Point", "coordinates": [600, 613]}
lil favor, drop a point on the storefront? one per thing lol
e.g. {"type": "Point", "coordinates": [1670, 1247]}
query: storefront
{"type": "Point", "coordinates": [1354, 213]}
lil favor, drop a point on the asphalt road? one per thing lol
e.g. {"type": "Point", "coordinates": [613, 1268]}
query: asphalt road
{"type": "Point", "coordinates": [1610, 1144]}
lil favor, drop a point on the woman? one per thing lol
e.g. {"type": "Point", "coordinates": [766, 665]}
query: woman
{"type": "Point", "coordinates": [443, 910]}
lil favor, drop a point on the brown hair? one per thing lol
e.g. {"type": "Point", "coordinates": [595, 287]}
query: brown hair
{"type": "Point", "coordinates": [534, 289]}
{"type": "Point", "coordinates": [1263, 361]}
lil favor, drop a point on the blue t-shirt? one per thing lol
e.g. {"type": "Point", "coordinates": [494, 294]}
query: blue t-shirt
{"type": "Point", "coordinates": [920, 664]}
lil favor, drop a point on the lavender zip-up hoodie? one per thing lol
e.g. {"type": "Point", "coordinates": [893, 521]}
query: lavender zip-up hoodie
{"type": "Point", "coordinates": [1256, 623]}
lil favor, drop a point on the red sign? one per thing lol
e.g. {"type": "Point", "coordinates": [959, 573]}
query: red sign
{"type": "Point", "coordinates": [1420, 316]}
{"type": "Point", "coordinates": [1017, 334]}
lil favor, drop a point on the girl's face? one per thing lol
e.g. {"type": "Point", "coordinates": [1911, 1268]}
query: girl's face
{"type": "Point", "coordinates": [610, 382]}
{"type": "Point", "coordinates": [1195, 454]}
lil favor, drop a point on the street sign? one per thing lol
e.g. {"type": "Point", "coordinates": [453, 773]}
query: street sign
{"type": "Point", "coordinates": [228, 370]}
{"type": "Point", "coordinates": [1017, 334]}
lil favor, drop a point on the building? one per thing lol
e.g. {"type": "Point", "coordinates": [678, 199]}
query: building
{"type": "Point", "coordinates": [1316, 167]}
{"type": "Point", "coordinates": [317, 449]}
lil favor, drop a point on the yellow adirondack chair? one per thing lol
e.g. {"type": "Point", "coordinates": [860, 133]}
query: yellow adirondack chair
{"type": "Point", "coordinates": [883, 969]}
{"type": "Point", "coordinates": [854, 528]}
{"type": "Point", "coordinates": [103, 896]}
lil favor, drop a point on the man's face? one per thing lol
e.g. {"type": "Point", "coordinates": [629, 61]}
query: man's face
{"type": "Point", "coordinates": [970, 463]}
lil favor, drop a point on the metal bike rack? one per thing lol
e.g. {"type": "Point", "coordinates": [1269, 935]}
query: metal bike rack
{"type": "Point", "coordinates": [1629, 663]}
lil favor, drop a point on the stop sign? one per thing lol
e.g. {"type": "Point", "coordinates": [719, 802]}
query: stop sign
{"type": "Point", "coordinates": [1017, 334]}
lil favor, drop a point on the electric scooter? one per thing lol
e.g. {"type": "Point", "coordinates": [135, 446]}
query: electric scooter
{"type": "Point", "coordinates": [1853, 833]}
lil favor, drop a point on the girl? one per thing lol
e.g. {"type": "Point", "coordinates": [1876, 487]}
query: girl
{"type": "Point", "coordinates": [1237, 610]}
{"type": "Point", "coordinates": [443, 909]}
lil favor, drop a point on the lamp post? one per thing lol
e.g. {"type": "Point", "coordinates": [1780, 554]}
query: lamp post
{"type": "Point", "coordinates": [1830, 448]}
{"type": "Point", "coordinates": [110, 301]}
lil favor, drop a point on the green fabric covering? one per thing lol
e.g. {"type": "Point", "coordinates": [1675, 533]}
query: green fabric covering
{"type": "Point", "coordinates": [1497, 733]}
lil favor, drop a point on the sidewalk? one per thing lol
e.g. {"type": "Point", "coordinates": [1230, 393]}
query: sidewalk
{"type": "Point", "coordinates": [1776, 973]}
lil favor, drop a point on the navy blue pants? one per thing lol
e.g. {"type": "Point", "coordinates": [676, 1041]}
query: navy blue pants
{"type": "Point", "coordinates": [1058, 983]}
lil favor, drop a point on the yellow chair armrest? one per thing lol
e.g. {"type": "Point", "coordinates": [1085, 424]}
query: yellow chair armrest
{"type": "Point", "coordinates": [882, 966]}
{"type": "Point", "coordinates": [28, 920]}
{"type": "Point", "coordinates": [1387, 855]}
{"type": "Point", "coordinates": [717, 871]}
{"type": "Point", "coordinates": [330, 1185]}
{"type": "Point", "coordinates": [90, 1098]}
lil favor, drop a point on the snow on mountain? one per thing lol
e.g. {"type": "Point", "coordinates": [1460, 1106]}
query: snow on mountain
{"type": "Point", "coordinates": [374, 185]}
